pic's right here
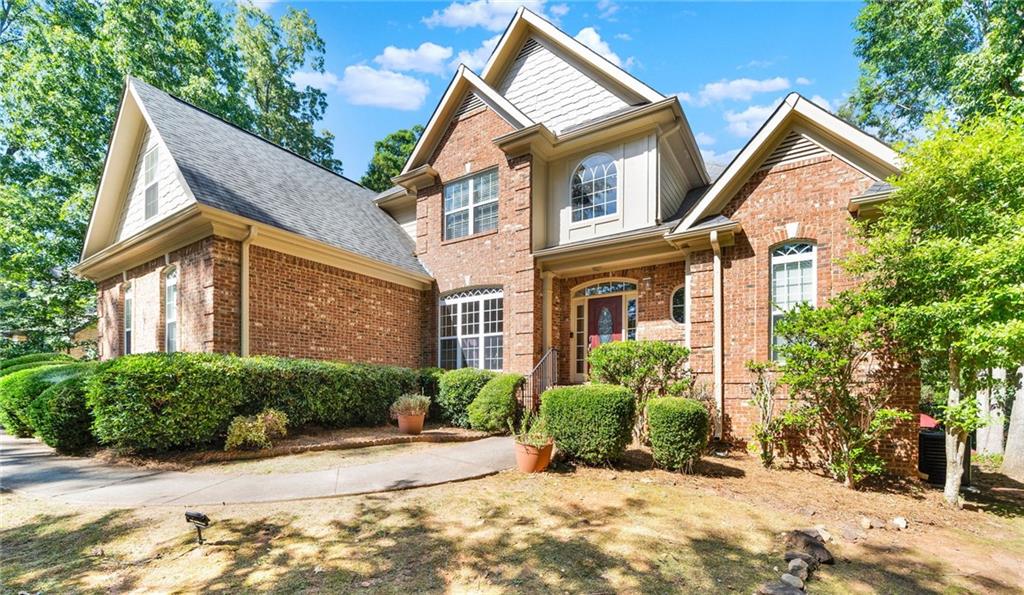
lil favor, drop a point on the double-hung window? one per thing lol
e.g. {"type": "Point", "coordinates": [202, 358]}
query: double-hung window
{"type": "Point", "coordinates": [128, 307]}
{"type": "Point", "coordinates": [471, 205]}
{"type": "Point", "coordinates": [171, 310]}
{"type": "Point", "coordinates": [794, 281]}
{"type": "Point", "coordinates": [152, 186]}
{"type": "Point", "coordinates": [471, 328]}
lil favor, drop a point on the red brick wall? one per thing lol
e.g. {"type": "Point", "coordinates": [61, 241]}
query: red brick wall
{"type": "Point", "coordinates": [813, 193]}
{"type": "Point", "coordinates": [301, 308]}
{"type": "Point", "coordinates": [501, 258]}
{"type": "Point", "coordinates": [207, 307]}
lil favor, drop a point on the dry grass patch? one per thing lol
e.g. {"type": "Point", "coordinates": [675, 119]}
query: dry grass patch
{"type": "Point", "coordinates": [587, 530]}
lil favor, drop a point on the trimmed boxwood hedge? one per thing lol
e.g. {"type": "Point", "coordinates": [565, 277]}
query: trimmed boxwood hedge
{"type": "Point", "coordinates": [62, 417]}
{"type": "Point", "coordinates": [495, 406]}
{"type": "Point", "coordinates": [35, 357]}
{"type": "Point", "coordinates": [590, 423]}
{"type": "Point", "coordinates": [457, 390]}
{"type": "Point", "coordinates": [679, 431]}
{"type": "Point", "coordinates": [160, 401]}
{"type": "Point", "coordinates": [29, 366]}
{"type": "Point", "coordinates": [18, 390]}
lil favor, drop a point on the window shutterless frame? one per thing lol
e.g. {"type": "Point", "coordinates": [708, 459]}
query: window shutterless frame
{"type": "Point", "coordinates": [793, 280]}
{"type": "Point", "coordinates": [471, 330]}
{"type": "Point", "coordinates": [471, 205]}
{"type": "Point", "coordinates": [128, 318]}
{"type": "Point", "coordinates": [171, 310]}
{"type": "Point", "coordinates": [150, 182]}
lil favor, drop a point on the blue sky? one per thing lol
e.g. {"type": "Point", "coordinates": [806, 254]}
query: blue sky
{"type": "Point", "coordinates": [388, 63]}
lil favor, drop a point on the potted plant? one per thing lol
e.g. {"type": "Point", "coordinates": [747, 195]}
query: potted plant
{"type": "Point", "coordinates": [533, 444]}
{"type": "Point", "coordinates": [410, 411]}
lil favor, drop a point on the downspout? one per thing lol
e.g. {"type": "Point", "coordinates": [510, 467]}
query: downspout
{"type": "Point", "coordinates": [717, 345]}
{"type": "Point", "coordinates": [244, 289]}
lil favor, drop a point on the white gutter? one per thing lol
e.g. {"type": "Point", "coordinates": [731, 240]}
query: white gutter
{"type": "Point", "coordinates": [716, 355]}
{"type": "Point", "coordinates": [244, 289]}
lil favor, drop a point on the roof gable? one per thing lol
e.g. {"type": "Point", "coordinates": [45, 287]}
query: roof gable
{"type": "Point", "coordinates": [773, 143]}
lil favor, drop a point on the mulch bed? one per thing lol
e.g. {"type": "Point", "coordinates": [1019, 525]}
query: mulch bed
{"type": "Point", "coordinates": [307, 440]}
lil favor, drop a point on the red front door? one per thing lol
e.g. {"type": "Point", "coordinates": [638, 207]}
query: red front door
{"type": "Point", "coordinates": [604, 316]}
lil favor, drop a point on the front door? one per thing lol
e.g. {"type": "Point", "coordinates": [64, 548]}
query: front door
{"type": "Point", "coordinates": [604, 317]}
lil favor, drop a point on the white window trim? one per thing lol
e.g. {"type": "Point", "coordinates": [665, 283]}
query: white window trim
{"type": "Point", "coordinates": [479, 296]}
{"type": "Point", "coordinates": [776, 260]}
{"type": "Point", "coordinates": [177, 299]}
{"type": "Point", "coordinates": [147, 184]}
{"type": "Point", "coordinates": [127, 337]}
{"type": "Point", "coordinates": [686, 304]}
{"type": "Point", "coordinates": [618, 193]}
{"type": "Point", "coordinates": [470, 206]}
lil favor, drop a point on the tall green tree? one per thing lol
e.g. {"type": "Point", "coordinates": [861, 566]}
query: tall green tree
{"type": "Point", "coordinates": [918, 56]}
{"type": "Point", "coordinates": [389, 157]}
{"type": "Point", "coordinates": [62, 69]}
{"type": "Point", "coordinates": [272, 52]}
{"type": "Point", "coordinates": [947, 259]}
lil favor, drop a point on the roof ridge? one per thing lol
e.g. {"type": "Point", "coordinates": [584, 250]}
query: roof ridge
{"type": "Point", "coordinates": [135, 79]}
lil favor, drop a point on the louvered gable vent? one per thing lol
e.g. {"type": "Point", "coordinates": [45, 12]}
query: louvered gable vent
{"type": "Point", "coordinates": [470, 103]}
{"type": "Point", "coordinates": [794, 147]}
{"type": "Point", "coordinates": [529, 47]}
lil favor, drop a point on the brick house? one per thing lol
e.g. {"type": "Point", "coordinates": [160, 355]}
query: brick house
{"type": "Point", "coordinates": [553, 202]}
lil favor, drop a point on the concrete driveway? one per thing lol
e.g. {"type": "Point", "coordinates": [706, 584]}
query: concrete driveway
{"type": "Point", "coordinates": [30, 467]}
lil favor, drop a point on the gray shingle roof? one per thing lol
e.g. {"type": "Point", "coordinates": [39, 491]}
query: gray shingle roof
{"type": "Point", "coordinates": [235, 171]}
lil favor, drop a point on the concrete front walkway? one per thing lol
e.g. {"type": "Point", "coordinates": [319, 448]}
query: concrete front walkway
{"type": "Point", "coordinates": [30, 467]}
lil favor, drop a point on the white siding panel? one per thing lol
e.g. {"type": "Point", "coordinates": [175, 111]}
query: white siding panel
{"type": "Point", "coordinates": [550, 89]}
{"type": "Point", "coordinates": [172, 195]}
{"type": "Point", "coordinates": [672, 185]}
{"type": "Point", "coordinates": [406, 218]}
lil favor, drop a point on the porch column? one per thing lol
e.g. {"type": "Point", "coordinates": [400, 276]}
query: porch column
{"type": "Point", "coordinates": [716, 352]}
{"type": "Point", "coordinates": [546, 317]}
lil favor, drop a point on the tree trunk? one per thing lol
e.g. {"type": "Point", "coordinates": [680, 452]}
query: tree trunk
{"type": "Point", "coordinates": [993, 443]}
{"type": "Point", "coordinates": [956, 441]}
{"type": "Point", "coordinates": [984, 397]}
{"type": "Point", "coordinates": [1013, 457]}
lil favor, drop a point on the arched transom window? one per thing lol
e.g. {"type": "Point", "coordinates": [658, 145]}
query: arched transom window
{"type": "Point", "coordinates": [594, 188]}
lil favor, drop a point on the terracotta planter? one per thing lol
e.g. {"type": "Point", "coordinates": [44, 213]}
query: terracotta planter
{"type": "Point", "coordinates": [411, 424]}
{"type": "Point", "coordinates": [531, 459]}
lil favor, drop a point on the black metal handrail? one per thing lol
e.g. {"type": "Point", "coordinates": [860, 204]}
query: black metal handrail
{"type": "Point", "coordinates": [543, 377]}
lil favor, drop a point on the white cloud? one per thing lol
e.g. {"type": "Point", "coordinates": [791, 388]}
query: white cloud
{"type": "Point", "coordinates": [429, 57]}
{"type": "Point", "coordinates": [685, 97]}
{"type": "Point", "coordinates": [607, 8]}
{"type": "Point", "coordinates": [365, 85]}
{"type": "Point", "coordinates": [477, 59]}
{"type": "Point", "coordinates": [746, 122]}
{"type": "Point", "coordinates": [822, 102]}
{"type": "Point", "coordinates": [589, 37]}
{"type": "Point", "coordinates": [704, 138]}
{"type": "Point", "coordinates": [559, 10]}
{"type": "Point", "coordinates": [756, 64]}
{"type": "Point", "coordinates": [803, 80]}
{"type": "Point", "coordinates": [493, 15]}
{"type": "Point", "coordinates": [742, 89]}
{"type": "Point", "coordinates": [264, 5]}
{"type": "Point", "coordinates": [722, 158]}
{"type": "Point", "coordinates": [623, 37]}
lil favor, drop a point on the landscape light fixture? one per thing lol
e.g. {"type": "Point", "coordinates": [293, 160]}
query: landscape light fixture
{"type": "Point", "coordinates": [199, 520]}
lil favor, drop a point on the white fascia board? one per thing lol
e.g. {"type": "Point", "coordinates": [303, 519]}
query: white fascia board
{"type": "Point", "coordinates": [463, 77]}
{"type": "Point", "coordinates": [525, 17]}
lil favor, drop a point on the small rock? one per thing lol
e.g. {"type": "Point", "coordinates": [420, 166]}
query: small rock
{"type": "Point", "coordinates": [823, 533]}
{"type": "Point", "coordinates": [807, 559]}
{"type": "Point", "coordinates": [813, 534]}
{"type": "Point", "coordinates": [792, 581]}
{"type": "Point", "coordinates": [865, 523]}
{"type": "Point", "coordinates": [852, 533]}
{"type": "Point", "coordinates": [796, 565]}
{"type": "Point", "coordinates": [899, 523]}
{"type": "Point", "coordinates": [778, 588]}
{"type": "Point", "coordinates": [801, 542]}
{"type": "Point", "coordinates": [877, 523]}
{"type": "Point", "coordinates": [800, 573]}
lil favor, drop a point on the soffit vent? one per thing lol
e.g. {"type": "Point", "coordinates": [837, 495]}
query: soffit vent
{"type": "Point", "coordinates": [470, 103]}
{"type": "Point", "coordinates": [794, 147]}
{"type": "Point", "coordinates": [529, 47]}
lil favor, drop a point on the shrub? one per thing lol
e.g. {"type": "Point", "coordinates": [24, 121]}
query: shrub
{"type": "Point", "coordinates": [159, 401]}
{"type": "Point", "coordinates": [18, 390]}
{"type": "Point", "coordinates": [590, 423]}
{"type": "Point", "coordinates": [429, 380]}
{"type": "Point", "coordinates": [458, 388]}
{"type": "Point", "coordinates": [532, 430]}
{"type": "Point", "coordinates": [326, 393]}
{"type": "Point", "coordinates": [62, 417]}
{"type": "Point", "coordinates": [275, 423]}
{"type": "Point", "coordinates": [255, 432]}
{"type": "Point", "coordinates": [495, 406]}
{"type": "Point", "coordinates": [648, 368]}
{"type": "Point", "coordinates": [768, 429]}
{"type": "Point", "coordinates": [679, 431]}
{"type": "Point", "coordinates": [35, 357]}
{"type": "Point", "coordinates": [28, 366]}
{"type": "Point", "coordinates": [410, 405]}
